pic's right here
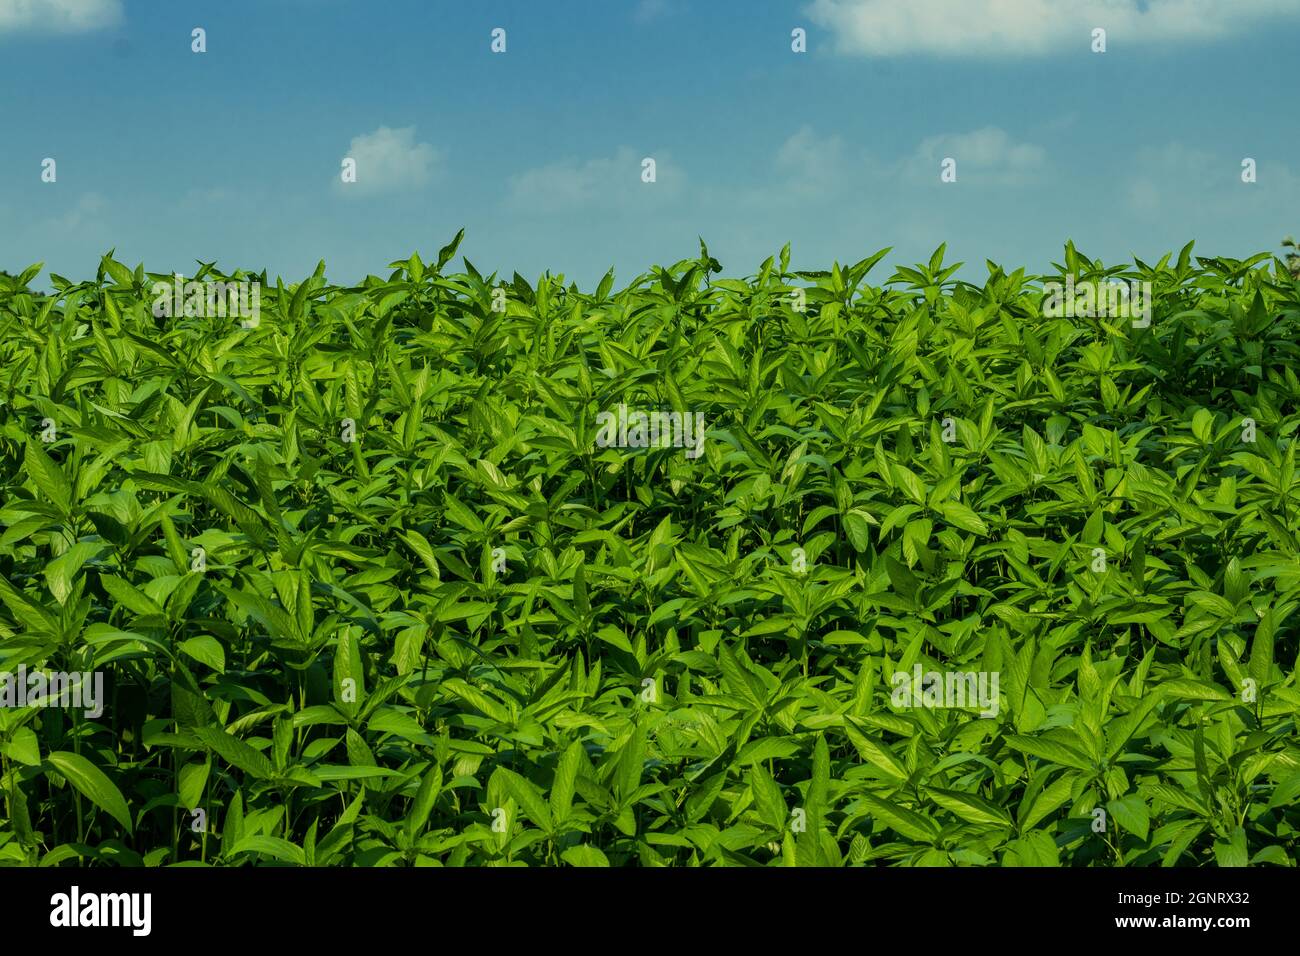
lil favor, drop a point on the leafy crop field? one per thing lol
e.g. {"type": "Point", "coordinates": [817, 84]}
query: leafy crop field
{"type": "Point", "coordinates": [447, 569]}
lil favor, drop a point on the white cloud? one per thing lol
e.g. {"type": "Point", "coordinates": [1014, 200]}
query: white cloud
{"type": "Point", "coordinates": [811, 168]}
{"type": "Point", "coordinates": [603, 181]}
{"type": "Point", "coordinates": [389, 160]}
{"type": "Point", "coordinates": [58, 16]}
{"type": "Point", "coordinates": [990, 151]}
{"type": "Point", "coordinates": [813, 165]}
{"type": "Point", "coordinates": [1162, 172]}
{"type": "Point", "coordinates": [1175, 177]}
{"type": "Point", "coordinates": [1031, 27]}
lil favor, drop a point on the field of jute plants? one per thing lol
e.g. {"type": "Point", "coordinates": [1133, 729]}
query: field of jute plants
{"type": "Point", "coordinates": [454, 569]}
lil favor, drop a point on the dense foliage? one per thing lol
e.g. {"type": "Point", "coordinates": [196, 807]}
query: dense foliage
{"type": "Point", "coordinates": [475, 635]}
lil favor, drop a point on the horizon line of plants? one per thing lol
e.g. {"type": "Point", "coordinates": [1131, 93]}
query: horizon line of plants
{"type": "Point", "coordinates": [473, 635]}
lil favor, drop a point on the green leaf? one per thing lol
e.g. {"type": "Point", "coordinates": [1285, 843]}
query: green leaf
{"type": "Point", "coordinates": [1203, 425]}
{"type": "Point", "coordinates": [969, 807]}
{"type": "Point", "coordinates": [193, 778]}
{"type": "Point", "coordinates": [631, 761]}
{"type": "Point", "coordinates": [768, 801]}
{"type": "Point", "coordinates": [1232, 852]}
{"type": "Point", "coordinates": [907, 480]}
{"type": "Point", "coordinates": [235, 752]}
{"type": "Point", "coordinates": [60, 572]}
{"type": "Point", "coordinates": [584, 855]}
{"type": "Point", "coordinates": [906, 822]}
{"type": "Point", "coordinates": [274, 847]}
{"type": "Point", "coordinates": [423, 550]}
{"type": "Point", "coordinates": [859, 532]}
{"type": "Point", "coordinates": [477, 699]}
{"type": "Point", "coordinates": [960, 516]}
{"type": "Point", "coordinates": [528, 796]}
{"type": "Point", "coordinates": [1189, 689]}
{"type": "Point", "coordinates": [125, 594]}
{"type": "Point", "coordinates": [92, 783]}
{"type": "Point", "coordinates": [24, 747]}
{"type": "Point", "coordinates": [876, 753]}
{"type": "Point", "coordinates": [48, 477]}
{"type": "Point", "coordinates": [566, 776]}
{"type": "Point", "coordinates": [1131, 813]}
{"type": "Point", "coordinates": [1048, 801]}
{"type": "Point", "coordinates": [1261, 650]}
{"type": "Point", "coordinates": [422, 805]}
{"type": "Point", "coordinates": [206, 650]}
{"type": "Point", "coordinates": [1051, 750]}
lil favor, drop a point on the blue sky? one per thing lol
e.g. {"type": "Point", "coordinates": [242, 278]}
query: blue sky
{"type": "Point", "coordinates": [235, 154]}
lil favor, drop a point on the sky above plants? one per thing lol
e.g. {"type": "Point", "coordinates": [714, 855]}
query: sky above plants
{"type": "Point", "coordinates": [234, 154]}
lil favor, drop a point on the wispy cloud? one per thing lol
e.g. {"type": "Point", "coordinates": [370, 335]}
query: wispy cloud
{"type": "Point", "coordinates": [58, 16]}
{"type": "Point", "coordinates": [1167, 171]}
{"type": "Point", "coordinates": [811, 165]}
{"type": "Point", "coordinates": [1175, 177]}
{"type": "Point", "coordinates": [84, 216]}
{"type": "Point", "coordinates": [607, 181]}
{"type": "Point", "coordinates": [1012, 28]}
{"type": "Point", "coordinates": [648, 11]}
{"type": "Point", "coordinates": [990, 151]}
{"type": "Point", "coordinates": [389, 160]}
